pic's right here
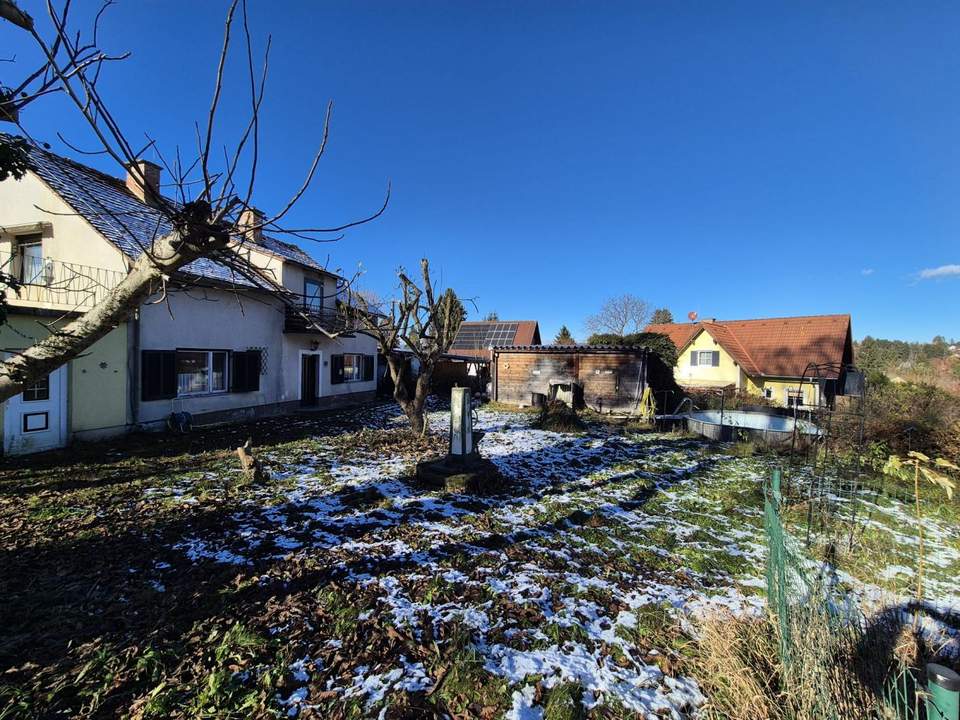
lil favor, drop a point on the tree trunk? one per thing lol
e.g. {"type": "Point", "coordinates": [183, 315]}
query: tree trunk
{"type": "Point", "coordinates": [170, 253]}
{"type": "Point", "coordinates": [410, 402]}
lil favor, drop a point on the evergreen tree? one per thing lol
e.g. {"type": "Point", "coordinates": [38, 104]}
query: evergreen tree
{"type": "Point", "coordinates": [661, 315]}
{"type": "Point", "coordinates": [564, 337]}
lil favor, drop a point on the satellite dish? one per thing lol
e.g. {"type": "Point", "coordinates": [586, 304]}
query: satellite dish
{"type": "Point", "coordinates": [692, 315]}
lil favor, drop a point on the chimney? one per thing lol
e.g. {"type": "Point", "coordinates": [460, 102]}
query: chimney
{"type": "Point", "coordinates": [250, 224]}
{"type": "Point", "coordinates": [143, 180]}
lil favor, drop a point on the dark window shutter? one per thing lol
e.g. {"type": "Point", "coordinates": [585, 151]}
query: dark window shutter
{"type": "Point", "coordinates": [158, 374]}
{"type": "Point", "coordinates": [693, 357]}
{"type": "Point", "coordinates": [245, 371]}
{"type": "Point", "coordinates": [368, 367]}
{"type": "Point", "coordinates": [238, 371]}
{"type": "Point", "coordinates": [716, 358]}
{"type": "Point", "coordinates": [336, 369]}
{"type": "Point", "coordinates": [253, 370]}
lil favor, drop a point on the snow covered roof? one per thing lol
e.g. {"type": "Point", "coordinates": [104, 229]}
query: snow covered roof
{"type": "Point", "coordinates": [106, 203]}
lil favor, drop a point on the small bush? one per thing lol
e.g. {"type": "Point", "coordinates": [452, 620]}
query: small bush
{"type": "Point", "coordinates": [911, 416]}
{"type": "Point", "coordinates": [557, 416]}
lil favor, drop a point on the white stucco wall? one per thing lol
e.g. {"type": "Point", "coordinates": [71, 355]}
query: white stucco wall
{"type": "Point", "coordinates": [70, 237]}
{"type": "Point", "coordinates": [296, 344]}
{"type": "Point", "coordinates": [214, 320]}
{"type": "Point", "coordinates": [294, 275]}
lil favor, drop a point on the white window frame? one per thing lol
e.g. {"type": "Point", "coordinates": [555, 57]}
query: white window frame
{"type": "Point", "coordinates": [36, 271]}
{"type": "Point", "coordinates": [768, 393]}
{"type": "Point", "coordinates": [790, 393]}
{"type": "Point", "coordinates": [709, 354]}
{"type": "Point", "coordinates": [356, 367]}
{"type": "Point", "coordinates": [209, 373]}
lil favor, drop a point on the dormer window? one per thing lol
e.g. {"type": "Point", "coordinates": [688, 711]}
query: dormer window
{"type": "Point", "coordinates": [313, 295]}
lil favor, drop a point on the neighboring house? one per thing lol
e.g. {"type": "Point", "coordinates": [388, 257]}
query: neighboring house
{"type": "Point", "coordinates": [217, 343]}
{"type": "Point", "coordinates": [476, 339]}
{"type": "Point", "coordinates": [605, 378]}
{"type": "Point", "coordinates": [766, 357]}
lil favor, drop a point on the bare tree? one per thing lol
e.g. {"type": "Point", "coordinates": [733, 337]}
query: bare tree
{"type": "Point", "coordinates": [619, 315]}
{"type": "Point", "coordinates": [203, 220]}
{"type": "Point", "coordinates": [419, 325]}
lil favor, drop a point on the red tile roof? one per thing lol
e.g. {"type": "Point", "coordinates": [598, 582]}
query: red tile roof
{"type": "Point", "coordinates": [772, 347]}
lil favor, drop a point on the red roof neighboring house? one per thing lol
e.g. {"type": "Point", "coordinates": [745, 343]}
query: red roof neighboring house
{"type": "Point", "coordinates": [772, 347]}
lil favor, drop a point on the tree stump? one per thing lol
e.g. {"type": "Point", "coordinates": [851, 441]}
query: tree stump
{"type": "Point", "coordinates": [252, 469]}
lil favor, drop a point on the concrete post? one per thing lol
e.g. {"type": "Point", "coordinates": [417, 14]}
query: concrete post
{"type": "Point", "coordinates": [461, 422]}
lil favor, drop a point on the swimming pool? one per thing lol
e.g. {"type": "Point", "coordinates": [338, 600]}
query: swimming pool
{"type": "Point", "coordinates": [737, 424]}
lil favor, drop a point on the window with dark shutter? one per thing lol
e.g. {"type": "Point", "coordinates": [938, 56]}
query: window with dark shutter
{"type": "Point", "coordinates": [158, 374]}
{"type": "Point", "coordinates": [336, 369]}
{"type": "Point", "coordinates": [716, 358]}
{"type": "Point", "coordinates": [693, 357]}
{"type": "Point", "coordinates": [368, 367]}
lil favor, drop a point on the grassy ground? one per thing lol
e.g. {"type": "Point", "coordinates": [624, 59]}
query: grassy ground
{"type": "Point", "coordinates": [148, 579]}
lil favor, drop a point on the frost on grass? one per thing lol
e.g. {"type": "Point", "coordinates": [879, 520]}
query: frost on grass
{"type": "Point", "coordinates": [547, 581]}
{"type": "Point", "coordinates": [589, 572]}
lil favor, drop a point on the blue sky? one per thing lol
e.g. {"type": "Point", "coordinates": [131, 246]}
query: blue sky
{"type": "Point", "coordinates": [736, 159]}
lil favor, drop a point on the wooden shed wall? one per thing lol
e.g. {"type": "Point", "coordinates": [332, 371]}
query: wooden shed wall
{"type": "Point", "coordinates": [609, 380]}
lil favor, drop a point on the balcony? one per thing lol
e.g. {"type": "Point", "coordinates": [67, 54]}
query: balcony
{"type": "Point", "coordinates": [50, 284]}
{"type": "Point", "coordinates": [303, 316]}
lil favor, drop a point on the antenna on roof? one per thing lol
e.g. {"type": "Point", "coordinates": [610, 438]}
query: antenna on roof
{"type": "Point", "coordinates": [692, 315]}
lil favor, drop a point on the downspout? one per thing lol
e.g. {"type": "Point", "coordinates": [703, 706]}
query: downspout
{"type": "Point", "coordinates": [496, 375]}
{"type": "Point", "coordinates": [133, 368]}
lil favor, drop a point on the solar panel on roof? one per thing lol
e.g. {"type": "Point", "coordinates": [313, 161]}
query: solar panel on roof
{"type": "Point", "coordinates": [483, 335]}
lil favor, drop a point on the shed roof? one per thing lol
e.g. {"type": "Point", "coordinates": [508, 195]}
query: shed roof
{"type": "Point", "coordinates": [477, 337]}
{"type": "Point", "coordinates": [772, 347]}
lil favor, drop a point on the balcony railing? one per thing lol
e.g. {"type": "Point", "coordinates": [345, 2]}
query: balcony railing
{"type": "Point", "coordinates": [68, 286]}
{"type": "Point", "coordinates": [303, 316]}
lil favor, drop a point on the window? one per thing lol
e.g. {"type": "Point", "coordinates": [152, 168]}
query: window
{"type": "Point", "coordinates": [201, 372]}
{"type": "Point", "coordinates": [710, 358]}
{"type": "Point", "coordinates": [30, 257]}
{"type": "Point", "coordinates": [351, 367]}
{"type": "Point", "coordinates": [794, 398]}
{"type": "Point", "coordinates": [768, 393]}
{"type": "Point", "coordinates": [313, 295]}
{"type": "Point", "coordinates": [40, 390]}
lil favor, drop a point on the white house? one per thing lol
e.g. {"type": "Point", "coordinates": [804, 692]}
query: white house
{"type": "Point", "coordinates": [218, 344]}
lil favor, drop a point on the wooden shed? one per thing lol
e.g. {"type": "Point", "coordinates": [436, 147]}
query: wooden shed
{"type": "Point", "coordinates": [605, 378]}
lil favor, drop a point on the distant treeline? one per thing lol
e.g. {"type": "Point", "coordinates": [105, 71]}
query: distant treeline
{"type": "Point", "coordinates": [879, 355]}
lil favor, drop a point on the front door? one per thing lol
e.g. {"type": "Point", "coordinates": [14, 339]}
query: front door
{"type": "Point", "coordinates": [309, 379]}
{"type": "Point", "coordinates": [36, 419]}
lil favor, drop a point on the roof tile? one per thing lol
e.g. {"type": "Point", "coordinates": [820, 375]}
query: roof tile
{"type": "Point", "coordinates": [772, 347]}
